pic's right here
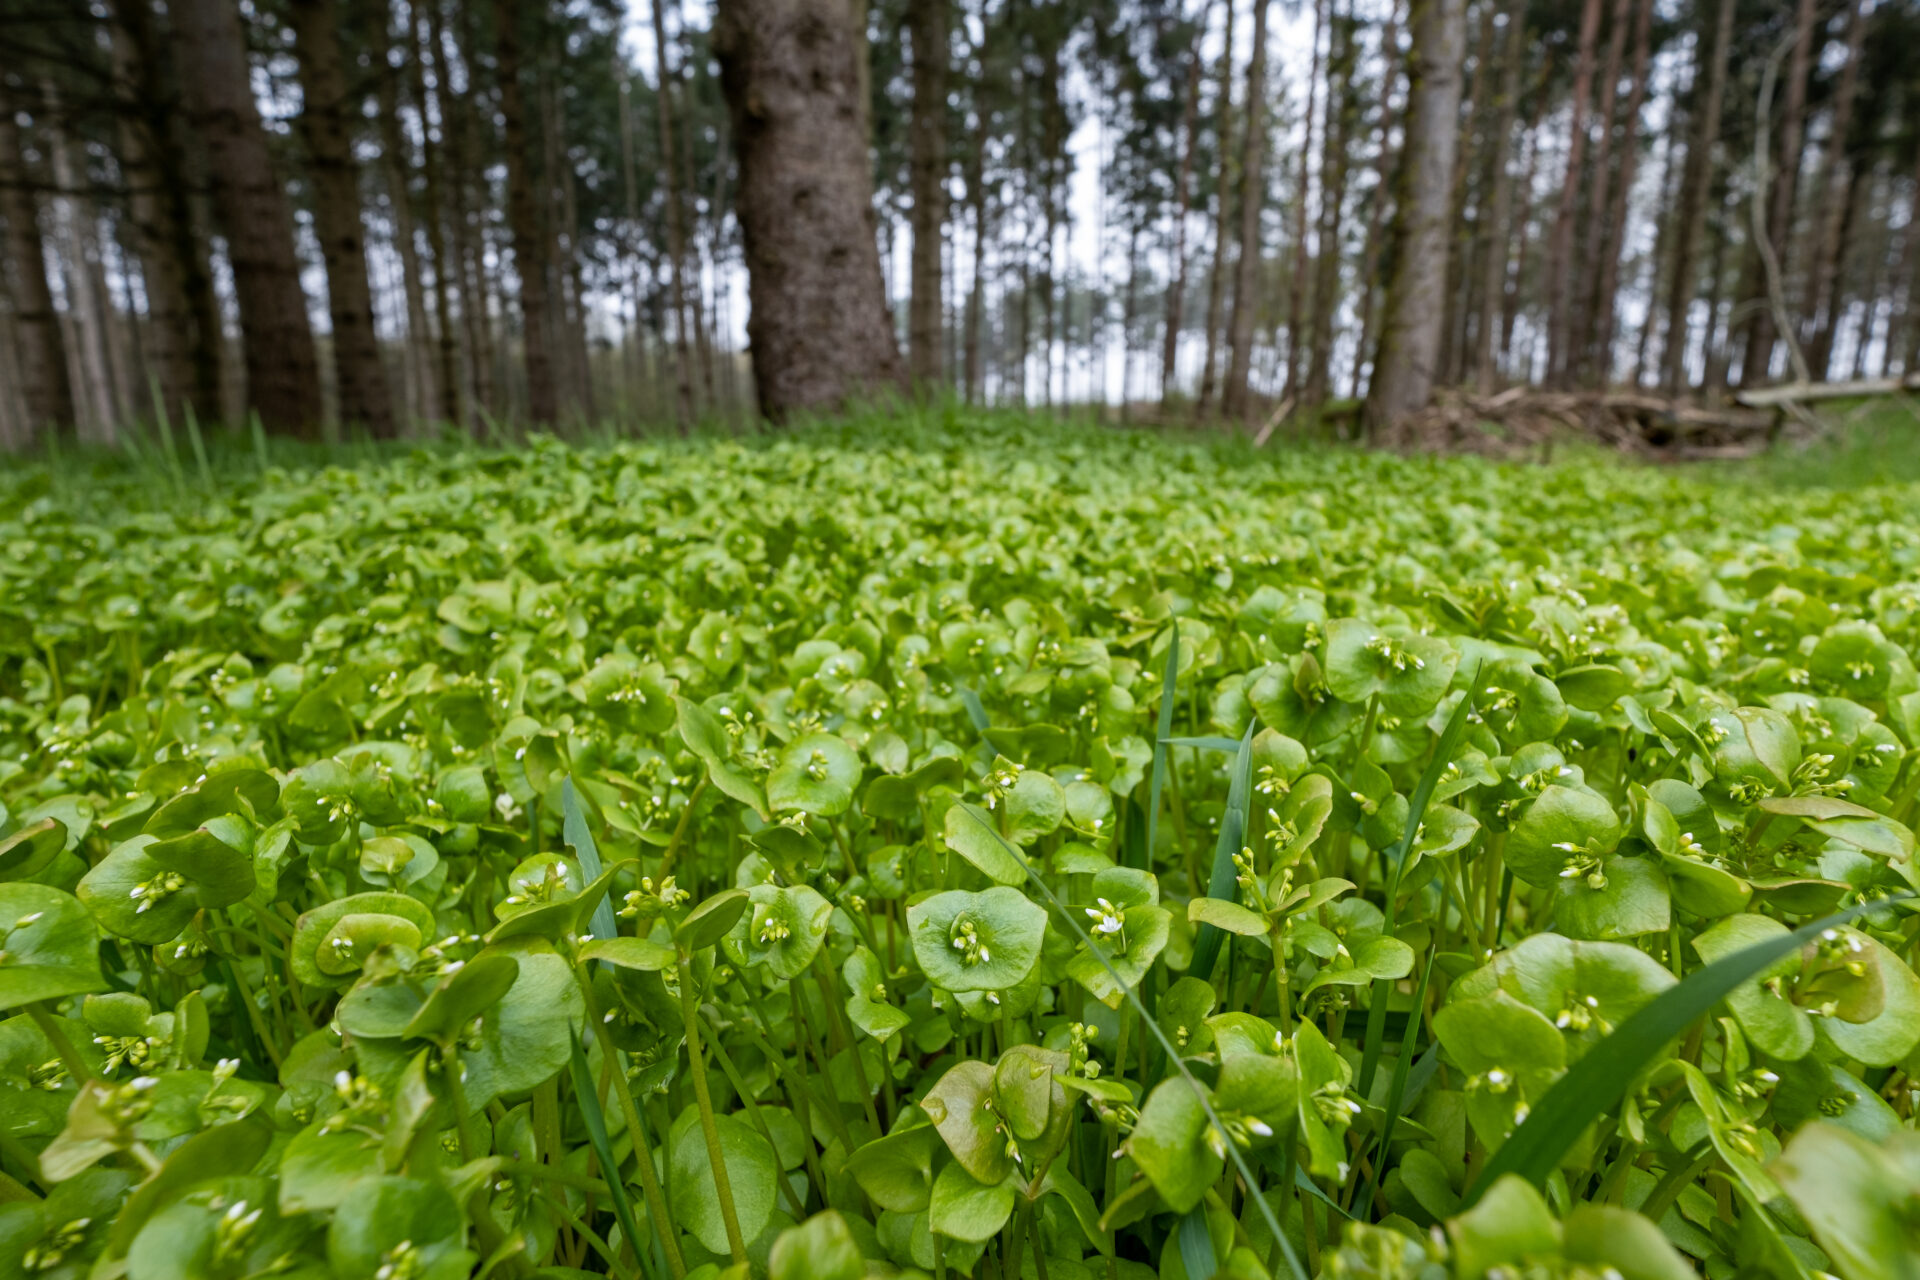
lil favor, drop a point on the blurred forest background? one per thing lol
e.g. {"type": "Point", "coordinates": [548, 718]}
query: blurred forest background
{"type": "Point", "coordinates": [384, 217]}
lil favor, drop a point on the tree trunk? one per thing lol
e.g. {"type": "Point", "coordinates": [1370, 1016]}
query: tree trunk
{"type": "Point", "coordinates": [1824, 305]}
{"type": "Point", "coordinates": [1586, 245]}
{"type": "Point", "coordinates": [927, 23]}
{"type": "Point", "coordinates": [1560, 246]}
{"type": "Point", "coordinates": [1757, 362]}
{"type": "Point", "coordinates": [1415, 308]}
{"type": "Point", "coordinates": [818, 327]}
{"type": "Point", "coordinates": [1493, 261]}
{"type": "Point", "coordinates": [395, 160]}
{"type": "Point", "coordinates": [1182, 207]}
{"type": "Point", "coordinates": [1303, 193]}
{"type": "Point", "coordinates": [1252, 200]}
{"type": "Point", "coordinates": [676, 243]}
{"type": "Point", "coordinates": [976, 292]}
{"type": "Point", "coordinates": [46, 392]}
{"type": "Point", "coordinates": [94, 364]}
{"type": "Point", "coordinates": [1384, 165]}
{"type": "Point", "coordinates": [1336, 135]}
{"type": "Point", "coordinates": [1612, 228]}
{"type": "Point", "coordinates": [472, 137]}
{"type": "Point", "coordinates": [183, 353]}
{"type": "Point", "coordinates": [250, 202]}
{"type": "Point", "coordinates": [360, 378]}
{"type": "Point", "coordinates": [1223, 220]}
{"type": "Point", "coordinates": [1695, 182]}
{"type": "Point", "coordinates": [432, 102]}
{"type": "Point", "coordinates": [524, 219]}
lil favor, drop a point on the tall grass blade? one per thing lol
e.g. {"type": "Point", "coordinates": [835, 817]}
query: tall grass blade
{"type": "Point", "coordinates": [596, 1122]}
{"type": "Point", "coordinates": [1158, 782]}
{"type": "Point", "coordinates": [1596, 1083]}
{"type": "Point", "coordinates": [574, 832]}
{"type": "Point", "coordinates": [1221, 881]}
{"type": "Point", "coordinates": [1196, 1245]}
{"type": "Point", "coordinates": [199, 449]}
{"type": "Point", "coordinates": [1397, 1087]}
{"type": "Point", "coordinates": [1396, 857]}
{"type": "Point", "coordinates": [258, 431]}
{"type": "Point", "coordinates": [1152, 1026]}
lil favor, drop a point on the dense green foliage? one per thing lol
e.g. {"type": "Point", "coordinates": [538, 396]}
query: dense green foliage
{"type": "Point", "coordinates": [476, 862]}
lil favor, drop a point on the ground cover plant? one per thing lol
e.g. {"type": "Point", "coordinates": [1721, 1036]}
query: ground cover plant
{"type": "Point", "coordinates": [962, 848]}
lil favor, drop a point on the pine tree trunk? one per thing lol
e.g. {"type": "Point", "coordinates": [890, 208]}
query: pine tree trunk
{"type": "Point", "coordinates": [424, 54]}
{"type": "Point", "coordinates": [472, 137]}
{"type": "Point", "coordinates": [976, 292]}
{"type": "Point", "coordinates": [1587, 241]}
{"type": "Point", "coordinates": [927, 26]}
{"type": "Point", "coordinates": [1790, 130]}
{"type": "Point", "coordinates": [1493, 258]}
{"type": "Point", "coordinates": [184, 361]}
{"type": "Point", "coordinates": [670, 194]}
{"type": "Point", "coordinates": [1612, 228]}
{"type": "Point", "coordinates": [1302, 197]}
{"type": "Point", "coordinates": [818, 328]}
{"type": "Point", "coordinates": [395, 159]}
{"type": "Point", "coordinates": [1560, 247]}
{"type": "Point", "coordinates": [360, 379]}
{"type": "Point", "coordinates": [1336, 132]}
{"type": "Point", "coordinates": [90, 338]}
{"type": "Point", "coordinates": [250, 202]}
{"type": "Point", "coordinates": [1695, 182]}
{"type": "Point", "coordinates": [1223, 221]}
{"type": "Point", "coordinates": [1824, 304]}
{"type": "Point", "coordinates": [1384, 165]}
{"type": "Point", "coordinates": [1415, 306]}
{"type": "Point", "coordinates": [45, 390]}
{"type": "Point", "coordinates": [1252, 200]}
{"type": "Point", "coordinates": [1182, 208]}
{"type": "Point", "coordinates": [523, 217]}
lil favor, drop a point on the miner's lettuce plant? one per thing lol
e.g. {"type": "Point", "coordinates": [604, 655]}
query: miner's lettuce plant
{"type": "Point", "coordinates": [984, 850]}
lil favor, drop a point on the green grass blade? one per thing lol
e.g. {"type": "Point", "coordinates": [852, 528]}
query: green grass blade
{"type": "Point", "coordinates": [1596, 1083]}
{"type": "Point", "coordinates": [1196, 1245]}
{"type": "Point", "coordinates": [1147, 1020]}
{"type": "Point", "coordinates": [976, 713]}
{"type": "Point", "coordinates": [1158, 782]}
{"type": "Point", "coordinates": [1443, 750]}
{"type": "Point", "coordinates": [1397, 1087]}
{"type": "Point", "coordinates": [1221, 881]}
{"type": "Point", "coordinates": [1308, 1185]}
{"type": "Point", "coordinates": [199, 444]}
{"type": "Point", "coordinates": [574, 831]}
{"type": "Point", "coordinates": [1213, 743]}
{"type": "Point", "coordinates": [596, 1122]}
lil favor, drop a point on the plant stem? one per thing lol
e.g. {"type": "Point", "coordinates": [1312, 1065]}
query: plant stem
{"type": "Point", "coordinates": [649, 1179]}
{"type": "Point", "coordinates": [722, 1183]}
{"type": "Point", "coordinates": [50, 1028]}
{"type": "Point", "coordinates": [680, 828]}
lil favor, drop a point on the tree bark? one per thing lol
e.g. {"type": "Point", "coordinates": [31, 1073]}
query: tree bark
{"type": "Point", "coordinates": [182, 337]}
{"type": "Point", "coordinates": [395, 159]}
{"type": "Point", "coordinates": [1586, 246]}
{"type": "Point", "coordinates": [1612, 228]}
{"type": "Point", "coordinates": [1837, 205]}
{"type": "Point", "coordinates": [1493, 262]}
{"type": "Point", "coordinates": [523, 217]}
{"type": "Point", "coordinates": [250, 202]}
{"type": "Point", "coordinates": [1415, 307]}
{"type": "Point", "coordinates": [360, 379]}
{"type": "Point", "coordinates": [1182, 207]}
{"type": "Point", "coordinates": [1252, 201]}
{"type": "Point", "coordinates": [92, 345]}
{"type": "Point", "coordinates": [1384, 164]}
{"type": "Point", "coordinates": [1303, 193]}
{"type": "Point", "coordinates": [1757, 361]}
{"type": "Point", "coordinates": [976, 292]}
{"type": "Point", "coordinates": [424, 53]}
{"type": "Point", "coordinates": [927, 21]}
{"type": "Point", "coordinates": [46, 391]}
{"type": "Point", "coordinates": [1336, 136]}
{"type": "Point", "coordinates": [818, 327]}
{"type": "Point", "coordinates": [1695, 182]}
{"type": "Point", "coordinates": [676, 243]}
{"type": "Point", "coordinates": [1560, 246]}
{"type": "Point", "coordinates": [1223, 221]}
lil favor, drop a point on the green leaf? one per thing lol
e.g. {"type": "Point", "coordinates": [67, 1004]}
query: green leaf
{"type": "Point", "coordinates": [821, 1248]}
{"type": "Point", "coordinates": [971, 834]}
{"type": "Point", "coordinates": [985, 941]}
{"type": "Point", "coordinates": [587, 1098]}
{"type": "Point", "coordinates": [816, 774]}
{"type": "Point", "coordinates": [50, 945]}
{"type": "Point", "coordinates": [966, 1209]}
{"type": "Point", "coordinates": [1600, 1079]}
